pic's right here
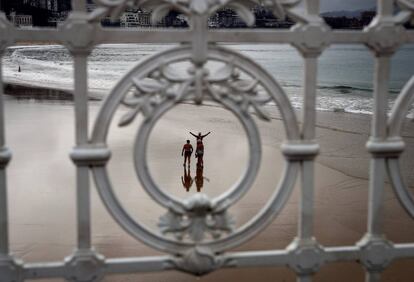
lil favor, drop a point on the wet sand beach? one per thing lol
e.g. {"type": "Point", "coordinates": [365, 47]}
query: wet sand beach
{"type": "Point", "coordinates": [41, 182]}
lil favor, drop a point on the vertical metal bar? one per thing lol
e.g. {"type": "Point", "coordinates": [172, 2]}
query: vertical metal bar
{"type": "Point", "coordinates": [309, 103]}
{"type": "Point", "coordinates": [379, 130]}
{"type": "Point", "coordinates": [305, 231]}
{"type": "Point", "coordinates": [305, 228]}
{"type": "Point", "coordinates": [81, 121]}
{"type": "Point", "coordinates": [306, 201]}
{"type": "Point", "coordinates": [378, 133]}
{"type": "Point", "coordinates": [308, 133]}
{"type": "Point", "coordinates": [385, 7]}
{"type": "Point", "coordinates": [373, 277]}
{"type": "Point", "coordinates": [199, 40]}
{"type": "Point", "coordinates": [4, 228]}
{"type": "Point", "coordinates": [2, 129]}
{"type": "Point", "coordinates": [81, 96]}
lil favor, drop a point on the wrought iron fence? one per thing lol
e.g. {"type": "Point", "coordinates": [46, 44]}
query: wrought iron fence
{"type": "Point", "coordinates": [196, 233]}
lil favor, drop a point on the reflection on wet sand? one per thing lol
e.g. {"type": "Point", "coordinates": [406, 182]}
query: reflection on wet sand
{"type": "Point", "coordinates": [199, 178]}
{"type": "Point", "coordinates": [188, 181]}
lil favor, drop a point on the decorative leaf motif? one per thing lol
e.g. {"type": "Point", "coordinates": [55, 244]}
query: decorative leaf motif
{"type": "Point", "coordinates": [132, 102]}
{"type": "Point", "coordinates": [98, 13]}
{"type": "Point", "coordinates": [160, 12]}
{"type": "Point", "coordinates": [165, 83]}
{"type": "Point", "coordinates": [244, 13]}
{"type": "Point", "coordinates": [171, 222]}
{"type": "Point", "coordinates": [200, 261]}
{"type": "Point", "coordinates": [244, 85]}
{"type": "Point", "coordinates": [182, 91]}
{"type": "Point", "coordinates": [114, 8]}
{"type": "Point", "coordinates": [226, 84]}
{"type": "Point", "coordinates": [262, 113]}
{"type": "Point", "coordinates": [407, 5]}
{"type": "Point", "coordinates": [149, 85]}
{"type": "Point", "coordinates": [129, 117]}
{"type": "Point", "coordinates": [201, 219]}
{"type": "Point", "coordinates": [222, 73]}
{"type": "Point", "coordinates": [171, 74]}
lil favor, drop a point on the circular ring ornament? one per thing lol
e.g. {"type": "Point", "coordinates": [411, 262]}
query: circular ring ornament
{"type": "Point", "coordinates": [395, 124]}
{"type": "Point", "coordinates": [152, 88]}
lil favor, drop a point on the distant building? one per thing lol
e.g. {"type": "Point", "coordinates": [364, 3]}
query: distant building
{"type": "Point", "coordinates": [39, 10]}
{"type": "Point", "coordinates": [52, 5]}
{"type": "Point", "coordinates": [228, 18]}
{"type": "Point", "coordinates": [21, 20]}
{"type": "Point", "coordinates": [53, 12]}
{"type": "Point", "coordinates": [140, 18]}
{"type": "Point", "coordinates": [213, 21]}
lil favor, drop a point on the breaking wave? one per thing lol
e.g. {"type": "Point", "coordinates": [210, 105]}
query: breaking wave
{"type": "Point", "coordinates": [345, 72]}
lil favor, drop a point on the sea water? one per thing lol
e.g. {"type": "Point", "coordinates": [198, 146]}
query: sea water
{"type": "Point", "coordinates": [345, 72]}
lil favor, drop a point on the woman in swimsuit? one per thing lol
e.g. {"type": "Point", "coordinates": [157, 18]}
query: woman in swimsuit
{"type": "Point", "coordinates": [199, 152]}
{"type": "Point", "coordinates": [199, 136]}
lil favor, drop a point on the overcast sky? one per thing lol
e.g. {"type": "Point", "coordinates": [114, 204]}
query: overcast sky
{"type": "Point", "coordinates": [347, 5]}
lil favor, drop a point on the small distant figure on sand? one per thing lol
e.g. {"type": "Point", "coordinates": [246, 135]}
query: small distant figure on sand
{"type": "Point", "coordinates": [199, 153]}
{"type": "Point", "coordinates": [186, 152]}
{"type": "Point", "coordinates": [200, 147]}
{"type": "Point", "coordinates": [187, 180]}
{"type": "Point", "coordinates": [19, 70]}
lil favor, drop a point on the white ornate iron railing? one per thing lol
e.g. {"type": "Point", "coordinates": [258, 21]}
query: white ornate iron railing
{"type": "Point", "coordinates": [202, 228]}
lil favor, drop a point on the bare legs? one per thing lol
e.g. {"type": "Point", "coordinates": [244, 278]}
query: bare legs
{"type": "Point", "coordinates": [187, 156]}
{"type": "Point", "coordinates": [200, 160]}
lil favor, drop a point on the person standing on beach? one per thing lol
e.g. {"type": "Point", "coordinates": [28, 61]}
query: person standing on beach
{"type": "Point", "coordinates": [200, 147]}
{"type": "Point", "coordinates": [200, 136]}
{"type": "Point", "coordinates": [199, 153]}
{"type": "Point", "coordinates": [186, 152]}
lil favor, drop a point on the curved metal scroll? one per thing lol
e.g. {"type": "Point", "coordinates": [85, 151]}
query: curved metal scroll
{"type": "Point", "coordinates": [152, 88]}
{"type": "Point", "coordinates": [160, 8]}
{"type": "Point", "coordinates": [395, 123]}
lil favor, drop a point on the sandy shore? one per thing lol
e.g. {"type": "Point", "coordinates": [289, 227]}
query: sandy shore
{"type": "Point", "coordinates": [42, 186]}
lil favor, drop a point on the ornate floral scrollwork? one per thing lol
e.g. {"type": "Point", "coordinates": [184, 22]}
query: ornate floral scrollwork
{"type": "Point", "coordinates": [161, 8]}
{"type": "Point", "coordinates": [166, 83]}
{"type": "Point", "coordinates": [200, 217]}
{"type": "Point", "coordinates": [200, 261]}
{"type": "Point", "coordinates": [407, 7]}
{"type": "Point", "coordinates": [201, 227]}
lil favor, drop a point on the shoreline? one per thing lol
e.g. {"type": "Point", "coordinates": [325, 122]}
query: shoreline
{"type": "Point", "coordinates": [22, 90]}
{"type": "Point", "coordinates": [28, 91]}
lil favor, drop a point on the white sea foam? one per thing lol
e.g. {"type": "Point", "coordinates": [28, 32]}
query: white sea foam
{"type": "Point", "coordinates": [345, 73]}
